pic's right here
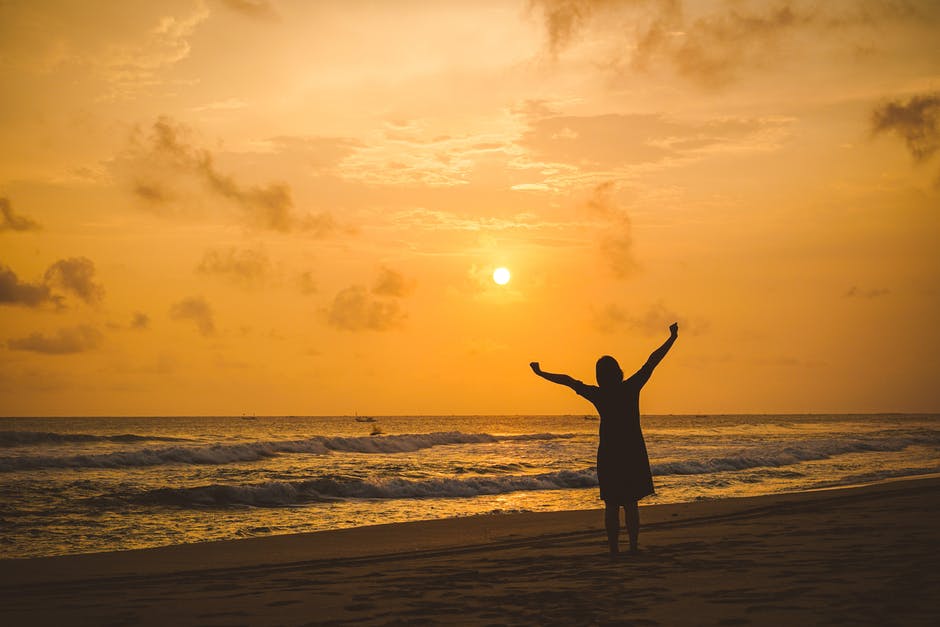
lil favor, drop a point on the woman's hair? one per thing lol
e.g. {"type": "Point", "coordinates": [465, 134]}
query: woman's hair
{"type": "Point", "coordinates": [608, 371]}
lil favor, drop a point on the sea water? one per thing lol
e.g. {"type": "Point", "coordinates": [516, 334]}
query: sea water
{"type": "Point", "coordinates": [78, 485]}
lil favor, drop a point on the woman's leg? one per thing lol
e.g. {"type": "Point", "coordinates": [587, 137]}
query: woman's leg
{"type": "Point", "coordinates": [632, 515]}
{"type": "Point", "coordinates": [612, 522]}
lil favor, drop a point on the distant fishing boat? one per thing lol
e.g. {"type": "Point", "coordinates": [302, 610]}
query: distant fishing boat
{"type": "Point", "coordinates": [364, 418]}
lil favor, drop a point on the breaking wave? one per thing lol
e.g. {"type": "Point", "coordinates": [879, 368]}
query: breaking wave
{"type": "Point", "coordinates": [253, 451]}
{"type": "Point", "coordinates": [338, 488]}
{"type": "Point", "coordinates": [23, 438]}
{"type": "Point", "coordinates": [775, 456]}
{"type": "Point", "coordinates": [287, 493]}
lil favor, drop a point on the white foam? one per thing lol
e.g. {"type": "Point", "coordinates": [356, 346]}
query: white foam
{"type": "Point", "coordinates": [253, 451]}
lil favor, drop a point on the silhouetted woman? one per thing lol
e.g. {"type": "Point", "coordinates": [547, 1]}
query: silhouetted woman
{"type": "Point", "coordinates": [623, 466]}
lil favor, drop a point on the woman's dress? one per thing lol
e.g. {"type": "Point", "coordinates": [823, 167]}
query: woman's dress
{"type": "Point", "coordinates": [623, 465]}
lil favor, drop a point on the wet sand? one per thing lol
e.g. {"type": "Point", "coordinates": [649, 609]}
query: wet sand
{"type": "Point", "coordinates": [862, 555]}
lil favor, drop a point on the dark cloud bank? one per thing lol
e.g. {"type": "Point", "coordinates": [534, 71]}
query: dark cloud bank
{"type": "Point", "coordinates": [75, 276]}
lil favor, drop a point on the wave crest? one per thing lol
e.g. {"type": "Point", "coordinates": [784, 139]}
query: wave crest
{"type": "Point", "coordinates": [781, 455]}
{"type": "Point", "coordinates": [24, 438]}
{"type": "Point", "coordinates": [287, 493]}
{"type": "Point", "coordinates": [252, 451]}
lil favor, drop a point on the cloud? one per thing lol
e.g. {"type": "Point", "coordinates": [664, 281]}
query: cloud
{"type": "Point", "coordinates": [258, 9]}
{"type": "Point", "coordinates": [916, 121]}
{"type": "Point", "coordinates": [267, 207]}
{"type": "Point", "coordinates": [169, 151]}
{"type": "Point", "coordinates": [616, 243]}
{"type": "Point", "coordinates": [535, 108]}
{"type": "Point", "coordinates": [391, 283]}
{"type": "Point", "coordinates": [9, 221]}
{"type": "Point", "coordinates": [139, 64]}
{"type": "Point", "coordinates": [714, 48]}
{"type": "Point", "coordinates": [564, 18]}
{"type": "Point", "coordinates": [319, 153]}
{"type": "Point", "coordinates": [152, 193]}
{"type": "Point", "coordinates": [306, 283]}
{"type": "Point", "coordinates": [719, 42]}
{"type": "Point", "coordinates": [438, 220]}
{"type": "Point", "coordinates": [16, 292]}
{"type": "Point", "coordinates": [618, 140]}
{"type": "Point", "coordinates": [654, 321]}
{"type": "Point", "coordinates": [76, 275]}
{"type": "Point", "coordinates": [857, 292]}
{"type": "Point", "coordinates": [413, 153]}
{"type": "Point", "coordinates": [244, 266]}
{"type": "Point", "coordinates": [229, 104]}
{"type": "Point", "coordinates": [197, 310]}
{"type": "Point", "coordinates": [709, 49]}
{"type": "Point", "coordinates": [76, 339]}
{"type": "Point", "coordinates": [353, 309]}
{"type": "Point", "coordinates": [140, 321]}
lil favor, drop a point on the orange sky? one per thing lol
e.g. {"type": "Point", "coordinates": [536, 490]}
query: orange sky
{"type": "Point", "coordinates": [273, 207]}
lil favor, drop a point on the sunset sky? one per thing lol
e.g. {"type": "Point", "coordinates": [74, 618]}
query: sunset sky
{"type": "Point", "coordinates": [289, 207]}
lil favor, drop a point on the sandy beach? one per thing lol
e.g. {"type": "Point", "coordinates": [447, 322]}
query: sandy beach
{"type": "Point", "coordinates": [860, 555]}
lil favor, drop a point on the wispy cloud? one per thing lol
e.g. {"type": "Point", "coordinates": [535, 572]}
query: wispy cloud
{"type": "Point", "coordinates": [654, 320]}
{"type": "Point", "coordinates": [78, 339]}
{"type": "Point", "coordinates": [167, 161]}
{"type": "Point", "coordinates": [410, 153]}
{"type": "Point", "coordinates": [391, 283]}
{"type": "Point", "coordinates": [197, 310]}
{"type": "Point", "coordinates": [354, 309]}
{"type": "Point", "coordinates": [860, 292]}
{"type": "Point", "coordinates": [378, 309]}
{"type": "Point", "coordinates": [916, 121]}
{"type": "Point", "coordinates": [245, 266]}
{"type": "Point", "coordinates": [621, 140]}
{"type": "Point", "coordinates": [229, 104]}
{"type": "Point", "coordinates": [257, 9]}
{"type": "Point", "coordinates": [140, 321]}
{"type": "Point", "coordinates": [133, 67]}
{"type": "Point", "coordinates": [616, 244]}
{"type": "Point", "coordinates": [10, 221]}
{"type": "Point", "coordinates": [307, 283]}
{"type": "Point", "coordinates": [712, 44]}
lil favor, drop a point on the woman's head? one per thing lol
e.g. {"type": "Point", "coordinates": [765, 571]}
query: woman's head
{"type": "Point", "coordinates": [608, 372]}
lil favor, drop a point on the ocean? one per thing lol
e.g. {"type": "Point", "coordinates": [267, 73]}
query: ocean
{"type": "Point", "coordinates": [81, 485]}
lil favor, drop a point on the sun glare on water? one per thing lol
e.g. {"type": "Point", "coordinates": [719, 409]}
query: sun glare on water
{"type": "Point", "coordinates": [501, 276]}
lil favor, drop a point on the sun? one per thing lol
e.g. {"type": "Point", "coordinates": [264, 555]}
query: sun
{"type": "Point", "coordinates": [501, 275]}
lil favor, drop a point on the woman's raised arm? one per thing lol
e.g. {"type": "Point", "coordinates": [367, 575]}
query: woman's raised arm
{"type": "Point", "coordinates": [560, 379]}
{"type": "Point", "coordinates": [657, 355]}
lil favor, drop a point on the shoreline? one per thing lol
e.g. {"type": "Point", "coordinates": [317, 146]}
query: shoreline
{"type": "Point", "coordinates": [389, 539]}
{"type": "Point", "coordinates": [861, 555]}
